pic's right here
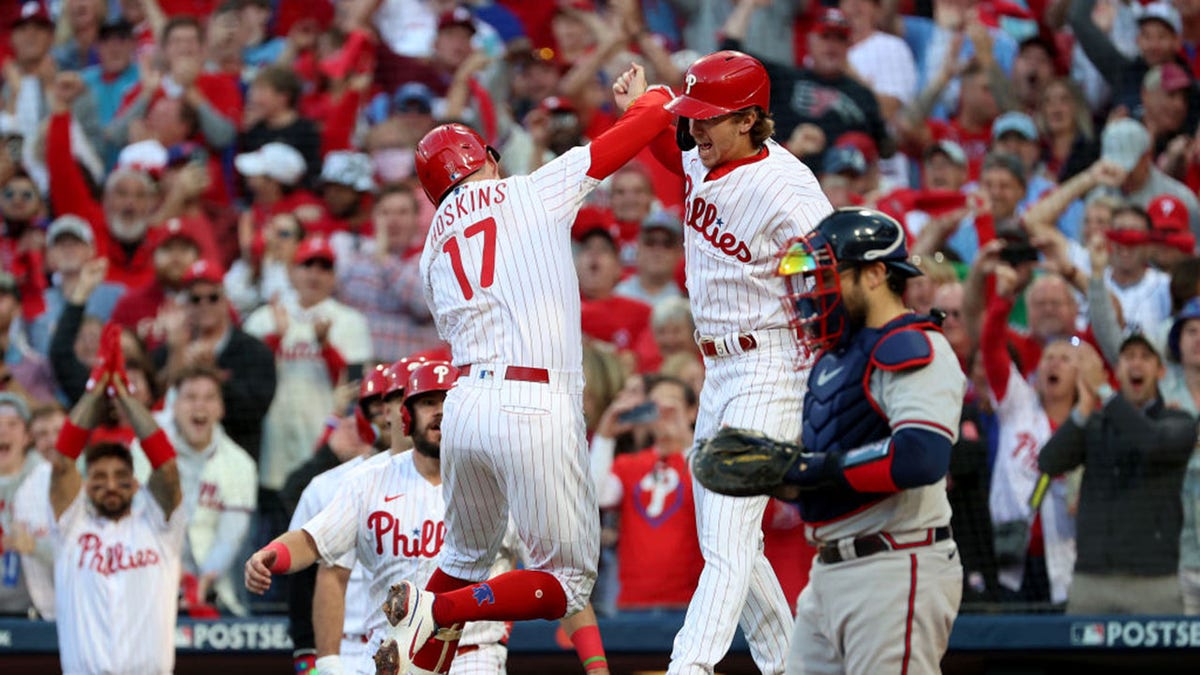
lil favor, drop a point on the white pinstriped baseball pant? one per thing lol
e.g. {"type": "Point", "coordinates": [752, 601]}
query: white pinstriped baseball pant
{"type": "Point", "coordinates": [760, 389]}
{"type": "Point", "coordinates": [519, 447]}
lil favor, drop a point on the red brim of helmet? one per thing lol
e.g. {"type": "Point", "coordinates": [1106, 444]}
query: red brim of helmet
{"type": "Point", "coordinates": [695, 109]}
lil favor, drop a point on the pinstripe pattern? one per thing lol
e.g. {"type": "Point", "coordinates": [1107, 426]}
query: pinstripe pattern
{"type": "Point", "coordinates": [750, 213]}
{"type": "Point", "coordinates": [519, 447]}
{"type": "Point", "coordinates": [347, 533]}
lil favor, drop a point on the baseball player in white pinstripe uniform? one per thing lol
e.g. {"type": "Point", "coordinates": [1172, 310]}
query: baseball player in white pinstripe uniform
{"type": "Point", "coordinates": [500, 280]}
{"type": "Point", "coordinates": [387, 516]}
{"type": "Point", "coordinates": [746, 197]}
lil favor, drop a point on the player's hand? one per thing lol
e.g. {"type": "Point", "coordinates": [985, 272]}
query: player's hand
{"type": "Point", "coordinates": [629, 86]}
{"type": "Point", "coordinates": [258, 571]}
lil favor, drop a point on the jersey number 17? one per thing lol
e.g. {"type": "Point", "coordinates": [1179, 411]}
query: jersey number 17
{"type": "Point", "coordinates": [486, 227]}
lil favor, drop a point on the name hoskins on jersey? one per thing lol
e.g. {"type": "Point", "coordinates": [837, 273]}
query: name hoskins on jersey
{"type": "Point", "coordinates": [734, 228]}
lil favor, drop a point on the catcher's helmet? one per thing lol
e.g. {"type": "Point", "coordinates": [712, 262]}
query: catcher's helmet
{"type": "Point", "coordinates": [427, 377]}
{"type": "Point", "coordinates": [374, 383]}
{"type": "Point", "coordinates": [810, 264]}
{"type": "Point", "coordinates": [447, 155]}
{"type": "Point", "coordinates": [721, 83]}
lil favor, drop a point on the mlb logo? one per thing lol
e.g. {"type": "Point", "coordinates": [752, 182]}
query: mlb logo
{"type": "Point", "coordinates": [183, 636]}
{"type": "Point", "coordinates": [1087, 634]}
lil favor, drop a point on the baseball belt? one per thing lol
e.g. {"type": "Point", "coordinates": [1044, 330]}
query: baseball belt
{"type": "Point", "coordinates": [721, 346]}
{"type": "Point", "coordinates": [876, 543]}
{"type": "Point", "coordinates": [514, 374]}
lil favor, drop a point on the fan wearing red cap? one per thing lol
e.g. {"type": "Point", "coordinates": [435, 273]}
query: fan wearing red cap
{"type": "Point", "coordinates": [317, 341]}
{"type": "Point", "coordinates": [1143, 292]}
{"type": "Point", "coordinates": [144, 310]}
{"type": "Point", "coordinates": [746, 195]}
{"type": "Point", "coordinates": [1171, 239]}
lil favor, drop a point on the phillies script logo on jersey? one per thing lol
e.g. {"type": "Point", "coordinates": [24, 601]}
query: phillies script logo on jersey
{"type": "Point", "coordinates": [702, 217]}
{"type": "Point", "coordinates": [108, 560]}
{"type": "Point", "coordinates": [420, 543]}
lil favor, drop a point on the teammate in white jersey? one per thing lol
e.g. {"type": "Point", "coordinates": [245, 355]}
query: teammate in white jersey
{"type": "Point", "coordinates": [116, 576]}
{"type": "Point", "coordinates": [387, 516]}
{"type": "Point", "coordinates": [746, 197]}
{"type": "Point", "coordinates": [500, 279]}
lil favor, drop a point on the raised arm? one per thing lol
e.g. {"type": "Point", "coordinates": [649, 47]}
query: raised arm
{"type": "Point", "coordinates": [993, 342]}
{"type": "Point", "coordinates": [164, 479]}
{"type": "Point", "coordinates": [1095, 43]}
{"type": "Point", "coordinates": [65, 481]}
{"type": "Point", "coordinates": [644, 119]}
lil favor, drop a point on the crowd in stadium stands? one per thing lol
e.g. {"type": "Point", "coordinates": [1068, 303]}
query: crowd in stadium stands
{"type": "Point", "coordinates": [231, 183]}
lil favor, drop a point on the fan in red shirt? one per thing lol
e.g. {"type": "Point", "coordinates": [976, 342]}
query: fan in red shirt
{"type": "Point", "coordinates": [607, 317]}
{"type": "Point", "coordinates": [147, 310]}
{"type": "Point", "coordinates": [658, 551]}
{"type": "Point", "coordinates": [970, 127]}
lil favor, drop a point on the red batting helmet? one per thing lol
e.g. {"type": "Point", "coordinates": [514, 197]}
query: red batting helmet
{"type": "Point", "coordinates": [721, 83]}
{"type": "Point", "coordinates": [447, 155]}
{"type": "Point", "coordinates": [427, 377]}
{"type": "Point", "coordinates": [397, 375]}
{"type": "Point", "coordinates": [374, 383]}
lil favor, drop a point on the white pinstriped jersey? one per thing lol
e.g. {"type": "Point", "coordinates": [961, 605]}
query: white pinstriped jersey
{"type": "Point", "coordinates": [498, 269]}
{"type": "Point", "coordinates": [31, 508]}
{"type": "Point", "coordinates": [319, 493]}
{"type": "Point", "coordinates": [735, 227]}
{"type": "Point", "coordinates": [387, 517]}
{"type": "Point", "coordinates": [117, 586]}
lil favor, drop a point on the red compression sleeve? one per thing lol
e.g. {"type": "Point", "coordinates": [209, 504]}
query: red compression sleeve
{"type": "Point", "coordinates": [996, 361]}
{"type": "Point", "coordinates": [589, 647]}
{"type": "Point", "coordinates": [644, 120]}
{"type": "Point", "coordinates": [334, 362]}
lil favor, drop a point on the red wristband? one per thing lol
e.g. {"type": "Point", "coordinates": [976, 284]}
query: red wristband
{"type": "Point", "coordinates": [283, 557]}
{"type": "Point", "coordinates": [71, 440]}
{"type": "Point", "coordinates": [589, 647]}
{"type": "Point", "coordinates": [158, 448]}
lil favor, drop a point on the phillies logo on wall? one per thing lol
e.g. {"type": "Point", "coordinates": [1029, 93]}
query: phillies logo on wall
{"type": "Point", "coordinates": [422, 542]}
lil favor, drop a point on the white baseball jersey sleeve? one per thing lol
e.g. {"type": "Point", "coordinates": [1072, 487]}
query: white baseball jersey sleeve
{"type": "Point", "coordinates": [734, 229]}
{"type": "Point", "coordinates": [117, 588]}
{"type": "Point", "coordinates": [498, 267]}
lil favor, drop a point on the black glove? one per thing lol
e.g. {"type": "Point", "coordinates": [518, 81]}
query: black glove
{"type": "Point", "coordinates": [683, 135]}
{"type": "Point", "coordinates": [746, 463]}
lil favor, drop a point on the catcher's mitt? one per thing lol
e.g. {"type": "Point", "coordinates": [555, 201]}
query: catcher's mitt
{"type": "Point", "coordinates": [743, 462]}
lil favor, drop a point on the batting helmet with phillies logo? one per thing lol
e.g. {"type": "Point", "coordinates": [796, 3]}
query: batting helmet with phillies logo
{"type": "Point", "coordinates": [426, 378]}
{"type": "Point", "coordinates": [447, 155]}
{"type": "Point", "coordinates": [397, 375]}
{"type": "Point", "coordinates": [373, 385]}
{"type": "Point", "coordinates": [721, 83]}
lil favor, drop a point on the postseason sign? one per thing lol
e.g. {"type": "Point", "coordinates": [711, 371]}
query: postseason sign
{"type": "Point", "coordinates": [1157, 633]}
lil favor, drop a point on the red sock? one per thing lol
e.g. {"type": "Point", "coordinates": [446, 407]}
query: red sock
{"type": "Point", "coordinates": [513, 596]}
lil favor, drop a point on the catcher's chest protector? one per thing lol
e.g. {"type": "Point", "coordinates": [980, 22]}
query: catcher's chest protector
{"type": "Point", "coordinates": [839, 413]}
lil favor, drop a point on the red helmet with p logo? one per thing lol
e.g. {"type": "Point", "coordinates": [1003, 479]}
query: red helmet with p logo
{"type": "Point", "coordinates": [721, 83]}
{"type": "Point", "coordinates": [427, 377]}
{"type": "Point", "coordinates": [447, 155]}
